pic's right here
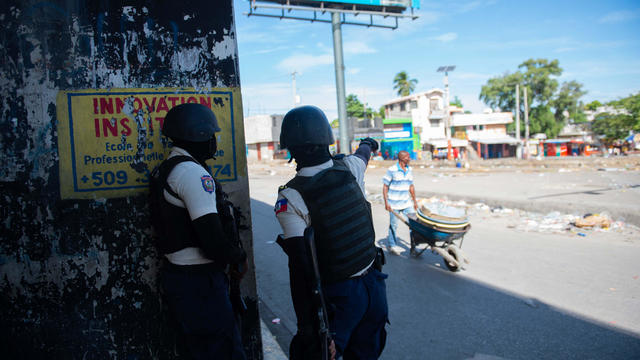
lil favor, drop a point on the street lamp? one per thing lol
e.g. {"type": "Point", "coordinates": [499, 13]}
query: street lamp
{"type": "Point", "coordinates": [447, 130]}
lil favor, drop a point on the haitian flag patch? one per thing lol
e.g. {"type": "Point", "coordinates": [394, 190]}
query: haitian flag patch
{"type": "Point", "coordinates": [207, 183]}
{"type": "Point", "coordinates": [281, 206]}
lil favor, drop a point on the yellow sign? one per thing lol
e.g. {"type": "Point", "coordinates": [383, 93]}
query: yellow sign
{"type": "Point", "coordinates": [109, 141]}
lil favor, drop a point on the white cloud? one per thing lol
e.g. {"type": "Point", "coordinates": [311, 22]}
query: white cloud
{"type": "Point", "coordinates": [619, 16]}
{"type": "Point", "coordinates": [353, 71]}
{"type": "Point", "coordinates": [445, 37]}
{"type": "Point", "coordinates": [302, 62]}
{"type": "Point", "coordinates": [357, 47]}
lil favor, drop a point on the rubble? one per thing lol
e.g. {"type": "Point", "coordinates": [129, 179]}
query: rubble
{"type": "Point", "coordinates": [527, 221]}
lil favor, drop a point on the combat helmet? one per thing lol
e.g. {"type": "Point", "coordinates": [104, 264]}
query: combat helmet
{"type": "Point", "coordinates": [190, 122]}
{"type": "Point", "coordinates": [305, 125]}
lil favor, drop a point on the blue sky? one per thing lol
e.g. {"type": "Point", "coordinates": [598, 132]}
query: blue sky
{"type": "Point", "coordinates": [596, 42]}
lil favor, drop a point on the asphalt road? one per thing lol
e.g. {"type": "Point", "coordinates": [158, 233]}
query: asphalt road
{"type": "Point", "coordinates": [524, 295]}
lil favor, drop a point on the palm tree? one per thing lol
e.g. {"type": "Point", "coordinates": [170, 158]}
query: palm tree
{"type": "Point", "coordinates": [403, 84]}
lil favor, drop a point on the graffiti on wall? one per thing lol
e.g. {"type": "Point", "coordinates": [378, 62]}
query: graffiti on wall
{"type": "Point", "coordinates": [111, 140]}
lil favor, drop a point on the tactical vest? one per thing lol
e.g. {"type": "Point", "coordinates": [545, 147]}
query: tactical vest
{"type": "Point", "coordinates": [341, 220]}
{"type": "Point", "coordinates": [171, 223]}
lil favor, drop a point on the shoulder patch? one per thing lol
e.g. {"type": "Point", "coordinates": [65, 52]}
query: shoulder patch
{"type": "Point", "coordinates": [207, 183]}
{"type": "Point", "coordinates": [281, 206]}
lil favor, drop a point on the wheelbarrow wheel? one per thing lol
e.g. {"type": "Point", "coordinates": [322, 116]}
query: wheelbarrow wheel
{"type": "Point", "coordinates": [455, 255]}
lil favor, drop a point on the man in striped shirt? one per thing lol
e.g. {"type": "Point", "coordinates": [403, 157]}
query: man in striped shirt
{"type": "Point", "coordinates": [399, 196]}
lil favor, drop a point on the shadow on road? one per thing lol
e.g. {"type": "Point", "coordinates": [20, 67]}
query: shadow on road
{"type": "Point", "coordinates": [436, 314]}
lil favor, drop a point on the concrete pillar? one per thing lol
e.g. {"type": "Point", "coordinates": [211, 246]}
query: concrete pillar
{"type": "Point", "coordinates": [85, 87]}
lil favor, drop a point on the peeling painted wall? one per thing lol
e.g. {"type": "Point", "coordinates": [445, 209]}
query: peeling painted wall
{"type": "Point", "coordinates": [78, 277]}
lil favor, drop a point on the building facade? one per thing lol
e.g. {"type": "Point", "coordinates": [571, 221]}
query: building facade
{"type": "Point", "coordinates": [262, 136]}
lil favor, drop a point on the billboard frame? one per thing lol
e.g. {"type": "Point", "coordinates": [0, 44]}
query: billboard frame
{"type": "Point", "coordinates": [323, 7]}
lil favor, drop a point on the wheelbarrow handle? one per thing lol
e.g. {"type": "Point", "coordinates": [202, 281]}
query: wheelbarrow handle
{"type": "Point", "coordinates": [400, 217]}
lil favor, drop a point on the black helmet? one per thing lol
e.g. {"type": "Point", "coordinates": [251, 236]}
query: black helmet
{"type": "Point", "coordinates": [305, 125]}
{"type": "Point", "coordinates": [190, 122]}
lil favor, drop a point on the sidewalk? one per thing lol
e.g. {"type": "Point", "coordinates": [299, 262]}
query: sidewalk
{"type": "Point", "coordinates": [270, 348]}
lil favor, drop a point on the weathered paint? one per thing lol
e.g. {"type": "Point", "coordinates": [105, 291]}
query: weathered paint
{"type": "Point", "coordinates": [78, 276]}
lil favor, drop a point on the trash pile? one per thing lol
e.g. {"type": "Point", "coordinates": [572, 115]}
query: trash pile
{"type": "Point", "coordinates": [525, 221]}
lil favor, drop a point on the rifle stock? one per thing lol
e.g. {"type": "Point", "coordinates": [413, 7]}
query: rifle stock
{"type": "Point", "coordinates": [323, 319]}
{"type": "Point", "coordinates": [231, 225]}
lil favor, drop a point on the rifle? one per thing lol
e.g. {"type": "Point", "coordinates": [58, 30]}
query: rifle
{"type": "Point", "coordinates": [231, 224]}
{"type": "Point", "coordinates": [318, 296]}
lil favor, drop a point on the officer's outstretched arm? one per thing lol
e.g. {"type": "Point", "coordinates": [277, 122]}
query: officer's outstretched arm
{"type": "Point", "coordinates": [214, 242]}
{"type": "Point", "coordinates": [367, 146]}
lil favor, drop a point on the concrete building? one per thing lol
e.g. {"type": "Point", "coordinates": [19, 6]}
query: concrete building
{"type": "Point", "coordinates": [417, 122]}
{"type": "Point", "coordinates": [486, 133]}
{"type": "Point", "coordinates": [421, 118]}
{"type": "Point", "coordinates": [262, 135]}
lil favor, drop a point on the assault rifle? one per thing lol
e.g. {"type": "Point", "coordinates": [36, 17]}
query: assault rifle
{"type": "Point", "coordinates": [318, 297]}
{"type": "Point", "coordinates": [231, 223]}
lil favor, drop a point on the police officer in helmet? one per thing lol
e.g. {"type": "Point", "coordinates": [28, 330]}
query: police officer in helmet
{"type": "Point", "coordinates": [327, 194]}
{"type": "Point", "coordinates": [192, 238]}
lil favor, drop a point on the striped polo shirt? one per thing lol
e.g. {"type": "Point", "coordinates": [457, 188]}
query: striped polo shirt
{"type": "Point", "coordinates": [399, 182]}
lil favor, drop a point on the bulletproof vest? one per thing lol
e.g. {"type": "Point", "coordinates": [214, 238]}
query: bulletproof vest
{"type": "Point", "coordinates": [171, 224]}
{"type": "Point", "coordinates": [341, 220]}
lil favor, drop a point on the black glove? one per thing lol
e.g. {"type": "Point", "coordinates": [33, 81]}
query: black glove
{"type": "Point", "coordinates": [371, 142]}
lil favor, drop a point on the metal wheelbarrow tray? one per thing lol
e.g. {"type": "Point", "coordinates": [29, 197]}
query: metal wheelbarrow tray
{"type": "Point", "coordinates": [439, 234]}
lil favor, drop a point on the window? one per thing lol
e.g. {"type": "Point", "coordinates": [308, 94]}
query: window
{"type": "Point", "coordinates": [414, 104]}
{"type": "Point", "coordinates": [402, 106]}
{"type": "Point", "coordinates": [433, 104]}
{"type": "Point", "coordinates": [434, 123]}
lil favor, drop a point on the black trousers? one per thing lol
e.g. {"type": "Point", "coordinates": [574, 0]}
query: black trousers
{"type": "Point", "coordinates": [198, 299]}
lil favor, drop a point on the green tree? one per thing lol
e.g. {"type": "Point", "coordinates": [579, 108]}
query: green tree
{"type": "Point", "coordinates": [354, 107]}
{"type": "Point", "coordinates": [381, 112]}
{"type": "Point", "coordinates": [335, 123]}
{"type": "Point", "coordinates": [595, 104]}
{"type": "Point", "coordinates": [403, 85]}
{"type": "Point", "coordinates": [568, 100]}
{"type": "Point", "coordinates": [538, 79]}
{"type": "Point", "coordinates": [500, 91]}
{"type": "Point", "coordinates": [456, 102]}
{"type": "Point", "coordinates": [617, 126]}
{"type": "Point", "coordinates": [547, 104]}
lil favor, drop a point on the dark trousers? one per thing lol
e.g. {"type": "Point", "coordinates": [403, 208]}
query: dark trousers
{"type": "Point", "coordinates": [359, 313]}
{"type": "Point", "coordinates": [198, 299]}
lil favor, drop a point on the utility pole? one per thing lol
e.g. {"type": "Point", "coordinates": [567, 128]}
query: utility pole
{"type": "Point", "coordinates": [519, 146]}
{"type": "Point", "coordinates": [526, 125]}
{"type": "Point", "coordinates": [345, 144]}
{"type": "Point", "coordinates": [447, 115]}
{"type": "Point", "coordinates": [293, 88]}
{"type": "Point", "coordinates": [338, 17]}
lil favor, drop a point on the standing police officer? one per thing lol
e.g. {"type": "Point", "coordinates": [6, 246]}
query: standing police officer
{"type": "Point", "coordinates": [327, 194]}
{"type": "Point", "coordinates": [191, 237]}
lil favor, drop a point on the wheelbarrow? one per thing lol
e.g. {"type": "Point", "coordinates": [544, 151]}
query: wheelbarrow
{"type": "Point", "coordinates": [438, 233]}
